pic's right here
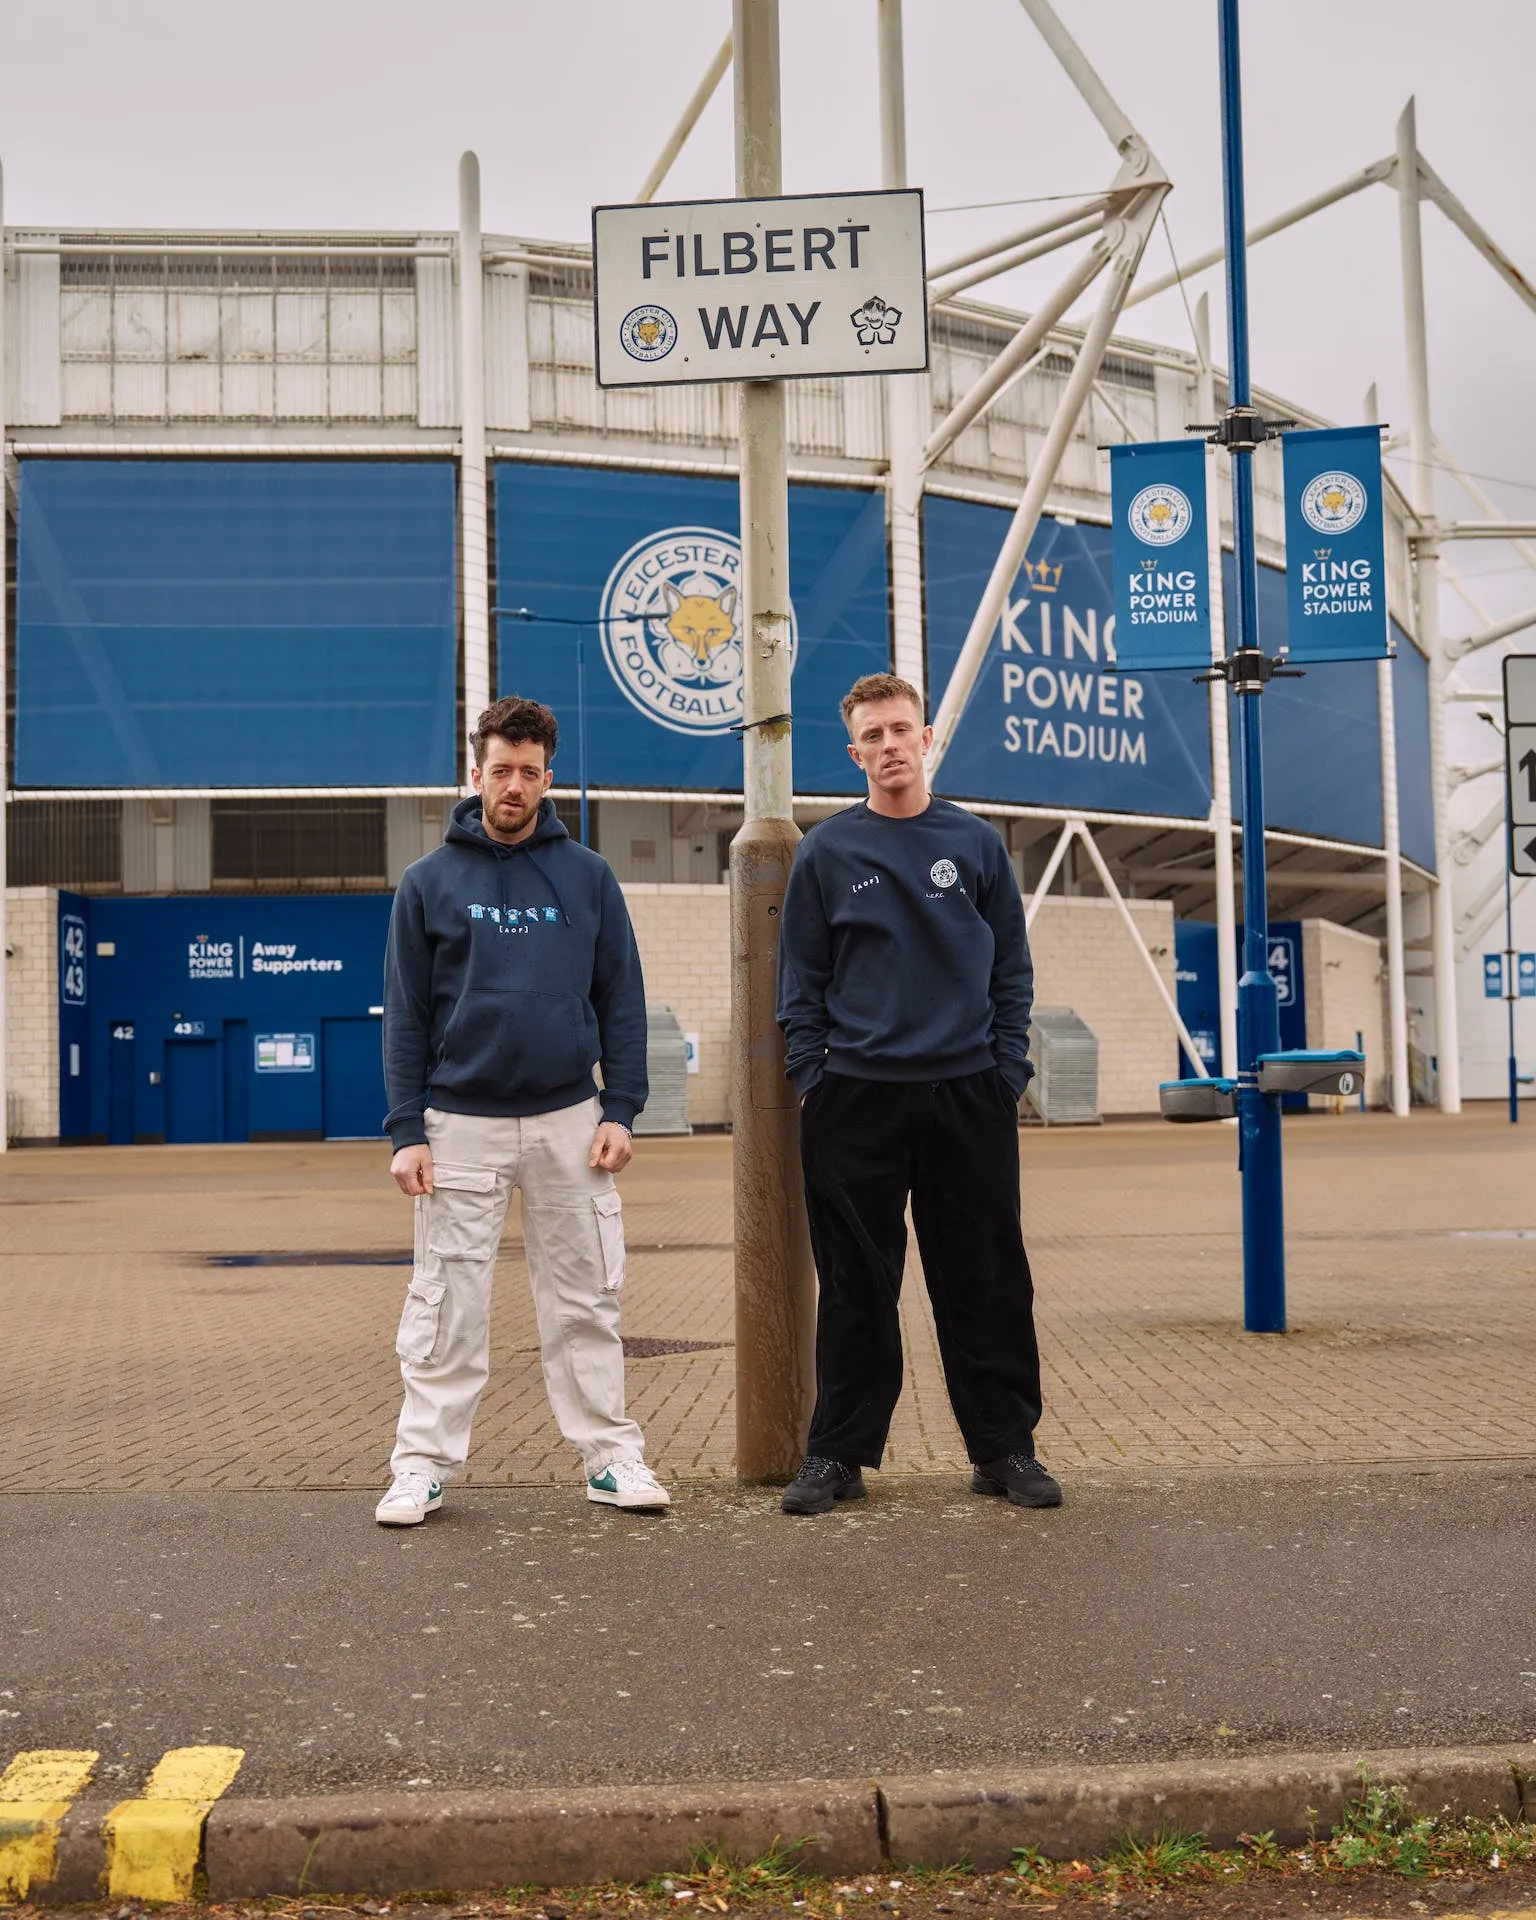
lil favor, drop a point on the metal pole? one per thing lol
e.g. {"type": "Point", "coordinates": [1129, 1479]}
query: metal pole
{"type": "Point", "coordinates": [1421, 491]}
{"type": "Point", "coordinates": [1221, 744]}
{"type": "Point", "coordinates": [1392, 851]}
{"type": "Point", "coordinates": [474, 569]}
{"type": "Point", "coordinates": [775, 1279]}
{"type": "Point", "coordinates": [1509, 980]}
{"type": "Point", "coordinates": [1258, 1008]}
{"type": "Point", "coordinates": [904, 392]}
{"type": "Point", "coordinates": [5, 763]}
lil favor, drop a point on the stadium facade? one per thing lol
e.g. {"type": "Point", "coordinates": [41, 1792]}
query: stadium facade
{"type": "Point", "coordinates": [263, 573]}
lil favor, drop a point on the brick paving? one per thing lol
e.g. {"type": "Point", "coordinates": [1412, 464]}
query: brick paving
{"type": "Point", "coordinates": [131, 1361]}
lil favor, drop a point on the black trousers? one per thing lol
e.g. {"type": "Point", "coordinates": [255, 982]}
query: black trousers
{"type": "Point", "coordinates": [953, 1147]}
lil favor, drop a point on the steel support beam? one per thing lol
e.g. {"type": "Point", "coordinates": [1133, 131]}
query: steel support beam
{"type": "Point", "coordinates": [702, 94]}
{"type": "Point", "coordinates": [1427, 604]}
{"type": "Point", "coordinates": [906, 394]}
{"type": "Point", "coordinates": [474, 562]}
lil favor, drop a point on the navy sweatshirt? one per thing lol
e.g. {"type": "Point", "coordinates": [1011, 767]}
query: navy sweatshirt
{"type": "Point", "coordinates": [903, 954]}
{"type": "Point", "coordinates": [510, 972]}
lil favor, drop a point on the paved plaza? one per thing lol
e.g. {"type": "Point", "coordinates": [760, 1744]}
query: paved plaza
{"type": "Point", "coordinates": [137, 1358]}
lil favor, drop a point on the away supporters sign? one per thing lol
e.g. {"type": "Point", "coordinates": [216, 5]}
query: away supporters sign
{"type": "Point", "coordinates": [782, 289]}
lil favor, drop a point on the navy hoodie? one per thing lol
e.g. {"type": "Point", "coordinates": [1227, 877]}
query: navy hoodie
{"type": "Point", "coordinates": [904, 955]}
{"type": "Point", "coordinates": [510, 972]}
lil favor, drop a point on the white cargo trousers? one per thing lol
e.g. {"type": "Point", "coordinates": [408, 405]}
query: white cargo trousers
{"type": "Point", "coordinates": [573, 1231]}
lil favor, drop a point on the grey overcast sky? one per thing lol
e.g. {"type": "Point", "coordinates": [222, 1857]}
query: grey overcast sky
{"type": "Point", "coordinates": [352, 113]}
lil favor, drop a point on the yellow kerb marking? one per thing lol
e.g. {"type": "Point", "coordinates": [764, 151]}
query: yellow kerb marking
{"type": "Point", "coordinates": [35, 1792]}
{"type": "Point", "coordinates": [153, 1842]}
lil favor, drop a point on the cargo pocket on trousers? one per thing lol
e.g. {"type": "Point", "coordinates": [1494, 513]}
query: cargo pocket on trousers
{"type": "Point", "coordinates": [609, 1209]}
{"type": "Point", "coordinates": [419, 1321]}
{"type": "Point", "coordinates": [458, 1211]}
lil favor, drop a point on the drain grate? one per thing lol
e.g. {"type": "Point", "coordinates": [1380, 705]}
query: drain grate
{"type": "Point", "coordinates": [638, 1347]}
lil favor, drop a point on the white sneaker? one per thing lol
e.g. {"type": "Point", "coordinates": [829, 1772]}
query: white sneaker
{"type": "Point", "coordinates": [411, 1498]}
{"type": "Point", "coordinates": [628, 1483]}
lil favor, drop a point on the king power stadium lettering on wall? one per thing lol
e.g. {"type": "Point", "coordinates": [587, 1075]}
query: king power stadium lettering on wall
{"type": "Point", "coordinates": [1051, 722]}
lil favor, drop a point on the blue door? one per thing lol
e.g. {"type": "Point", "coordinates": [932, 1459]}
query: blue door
{"type": "Point", "coordinates": [120, 1086]}
{"type": "Point", "coordinates": [193, 1092]}
{"type": "Point", "coordinates": [352, 1078]}
{"type": "Point", "coordinates": [237, 1080]}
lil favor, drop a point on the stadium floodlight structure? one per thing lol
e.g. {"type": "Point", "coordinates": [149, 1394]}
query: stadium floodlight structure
{"type": "Point", "coordinates": [1116, 224]}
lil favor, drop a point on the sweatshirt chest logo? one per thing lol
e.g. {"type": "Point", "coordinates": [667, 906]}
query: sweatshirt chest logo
{"type": "Point", "coordinates": [943, 873]}
{"type": "Point", "coordinates": [516, 919]}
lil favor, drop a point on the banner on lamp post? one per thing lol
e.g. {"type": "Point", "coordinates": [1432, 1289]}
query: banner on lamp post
{"type": "Point", "coordinates": [1161, 554]}
{"type": "Point", "coordinates": [1335, 547]}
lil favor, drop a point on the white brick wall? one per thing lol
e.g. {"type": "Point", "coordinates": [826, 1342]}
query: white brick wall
{"type": "Point", "coordinates": [1346, 992]}
{"type": "Point", "coordinates": [684, 936]}
{"type": "Point", "coordinates": [32, 1010]}
{"type": "Point", "coordinates": [1086, 960]}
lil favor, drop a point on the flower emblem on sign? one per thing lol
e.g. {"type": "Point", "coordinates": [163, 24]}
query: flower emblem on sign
{"type": "Point", "coordinates": [671, 629]}
{"type": "Point", "coordinates": [1333, 503]}
{"type": "Point", "coordinates": [875, 323]}
{"type": "Point", "coordinates": [1160, 515]}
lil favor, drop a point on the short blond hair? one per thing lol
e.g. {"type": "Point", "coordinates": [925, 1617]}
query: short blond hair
{"type": "Point", "coordinates": [879, 686]}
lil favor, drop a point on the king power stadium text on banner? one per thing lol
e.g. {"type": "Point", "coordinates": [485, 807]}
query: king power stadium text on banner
{"type": "Point", "coordinates": [1335, 548]}
{"type": "Point", "coordinates": [1161, 554]}
{"type": "Point", "coordinates": [781, 289]}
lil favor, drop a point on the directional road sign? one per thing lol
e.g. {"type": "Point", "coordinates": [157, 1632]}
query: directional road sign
{"type": "Point", "coordinates": [1520, 759]}
{"type": "Point", "coordinates": [781, 289]}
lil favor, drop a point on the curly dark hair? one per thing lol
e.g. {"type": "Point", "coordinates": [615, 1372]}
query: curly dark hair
{"type": "Point", "coordinates": [514, 719]}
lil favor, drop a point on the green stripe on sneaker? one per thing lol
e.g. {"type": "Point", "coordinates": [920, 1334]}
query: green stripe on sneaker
{"type": "Point", "coordinates": [604, 1482]}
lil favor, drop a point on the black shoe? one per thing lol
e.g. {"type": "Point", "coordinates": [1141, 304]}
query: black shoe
{"type": "Point", "coordinates": [819, 1483]}
{"type": "Point", "coordinates": [1021, 1477]}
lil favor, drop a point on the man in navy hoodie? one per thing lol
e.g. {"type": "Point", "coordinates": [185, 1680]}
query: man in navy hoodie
{"type": "Point", "coordinates": [905, 988]}
{"type": "Point", "coordinates": [511, 972]}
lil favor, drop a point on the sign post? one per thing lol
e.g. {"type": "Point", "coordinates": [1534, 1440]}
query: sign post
{"type": "Point", "coordinates": [1519, 971]}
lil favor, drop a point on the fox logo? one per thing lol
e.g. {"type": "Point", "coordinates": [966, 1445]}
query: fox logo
{"type": "Point", "coordinates": [699, 625]}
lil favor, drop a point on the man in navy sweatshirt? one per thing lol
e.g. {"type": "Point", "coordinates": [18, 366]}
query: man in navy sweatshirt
{"type": "Point", "coordinates": [511, 972]}
{"type": "Point", "coordinates": [905, 987]}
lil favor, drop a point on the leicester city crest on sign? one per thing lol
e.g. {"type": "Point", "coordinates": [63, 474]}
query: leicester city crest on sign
{"type": "Point", "coordinates": [1333, 503]}
{"type": "Point", "coordinates": [671, 628]}
{"type": "Point", "coordinates": [1160, 515]}
{"type": "Point", "coordinates": [648, 333]}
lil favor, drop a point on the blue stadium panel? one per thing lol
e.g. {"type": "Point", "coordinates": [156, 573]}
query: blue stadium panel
{"type": "Point", "coordinates": [199, 623]}
{"type": "Point", "coordinates": [587, 549]}
{"type": "Point", "coordinates": [1048, 722]}
{"type": "Point", "coordinates": [1322, 735]}
{"type": "Point", "coordinates": [1415, 796]}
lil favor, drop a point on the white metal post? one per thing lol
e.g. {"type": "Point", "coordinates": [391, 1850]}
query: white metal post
{"type": "Point", "coordinates": [1392, 851]}
{"type": "Point", "coordinates": [775, 1278]}
{"type": "Point", "coordinates": [474, 569]}
{"type": "Point", "coordinates": [1421, 489]}
{"type": "Point", "coordinates": [903, 391]}
{"type": "Point", "coordinates": [703, 93]}
{"type": "Point", "coordinates": [1221, 750]}
{"type": "Point", "coordinates": [5, 759]}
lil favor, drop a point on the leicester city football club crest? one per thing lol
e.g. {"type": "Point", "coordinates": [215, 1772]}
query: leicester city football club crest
{"type": "Point", "coordinates": [1333, 503]}
{"type": "Point", "coordinates": [672, 628]}
{"type": "Point", "coordinates": [1160, 515]}
{"type": "Point", "coordinates": [648, 333]}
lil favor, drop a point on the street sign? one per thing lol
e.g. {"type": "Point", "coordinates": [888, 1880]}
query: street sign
{"type": "Point", "coordinates": [790, 288]}
{"type": "Point", "coordinates": [1520, 759]}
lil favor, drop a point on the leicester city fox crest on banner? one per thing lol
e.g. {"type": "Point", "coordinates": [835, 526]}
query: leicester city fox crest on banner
{"type": "Point", "coordinates": [671, 628]}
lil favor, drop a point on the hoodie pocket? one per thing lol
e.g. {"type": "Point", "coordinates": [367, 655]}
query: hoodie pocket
{"type": "Point", "coordinates": [505, 1044]}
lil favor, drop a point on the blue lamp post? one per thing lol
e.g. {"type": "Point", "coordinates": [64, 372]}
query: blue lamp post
{"type": "Point", "coordinates": [1248, 670]}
